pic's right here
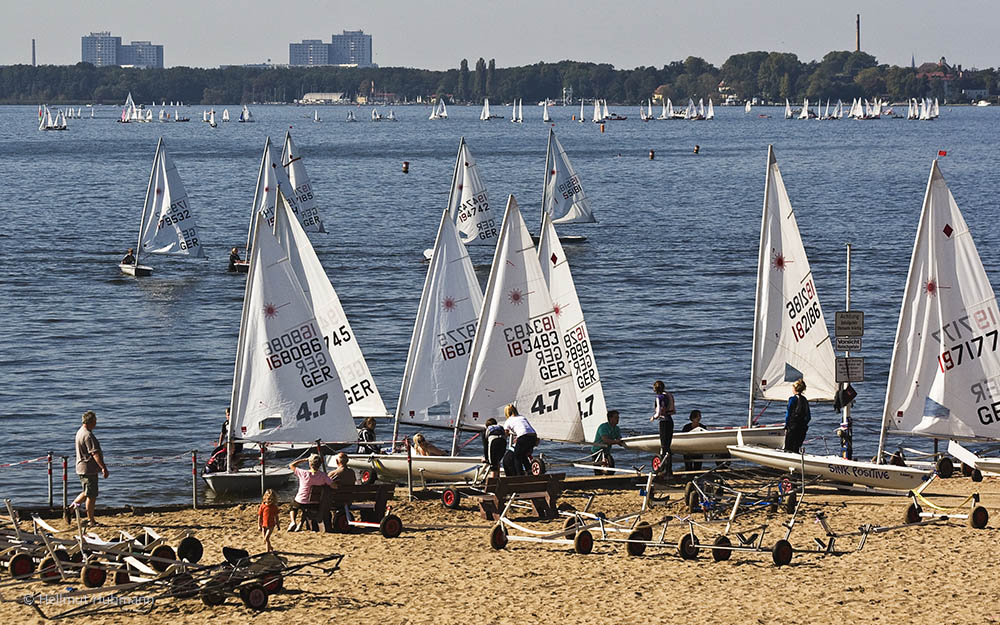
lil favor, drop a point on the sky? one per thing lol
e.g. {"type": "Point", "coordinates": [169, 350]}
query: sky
{"type": "Point", "coordinates": [437, 35]}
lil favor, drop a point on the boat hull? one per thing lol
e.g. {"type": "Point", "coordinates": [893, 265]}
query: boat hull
{"type": "Point", "coordinates": [136, 271]}
{"type": "Point", "coordinates": [246, 480]}
{"type": "Point", "coordinates": [835, 468]}
{"type": "Point", "coordinates": [392, 467]}
{"type": "Point", "coordinates": [714, 441]}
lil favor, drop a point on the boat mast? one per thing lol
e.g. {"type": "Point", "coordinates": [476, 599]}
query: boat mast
{"type": "Point", "coordinates": [145, 205]}
{"type": "Point", "coordinates": [847, 407]}
{"type": "Point", "coordinates": [545, 179]}
{"type": "Point", "coordinates": [251, 233]}
{"type": "Point", "coordinates": [761, 257]}
{"type": "Point", "coordinates": [454, 177]}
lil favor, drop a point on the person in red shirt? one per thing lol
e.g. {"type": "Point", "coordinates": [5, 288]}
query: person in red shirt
{"type": "Point", "coordinates": [267, 516]}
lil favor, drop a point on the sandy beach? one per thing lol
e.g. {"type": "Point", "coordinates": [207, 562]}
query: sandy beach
{"type": "Point", "coordinates": [442, 570]}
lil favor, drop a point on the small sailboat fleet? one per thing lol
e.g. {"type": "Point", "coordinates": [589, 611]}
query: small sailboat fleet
{"type": "Point", "coordinates": [439, 110]}
{"type": "Point", "coordinates": [167, 224]}
{"type": "Point", "coordinates": [46, 121]}
{"type": "Point", "coordinates": [485, 114]}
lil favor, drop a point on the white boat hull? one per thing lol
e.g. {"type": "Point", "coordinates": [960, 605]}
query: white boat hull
{"type": "Point", "coordinates": [835, 468]}
{"type": "Point", "coordinates": [136, 271]}
{"type": "Point", "coordinates": [714, 441]}
{"type": "Point", "coordinates": [246, 480]}
{"type": "Point", "coordinates": [425, 468]}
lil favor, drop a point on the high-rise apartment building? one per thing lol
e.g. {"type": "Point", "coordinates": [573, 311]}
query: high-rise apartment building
{"type": "Point", "coordinates": [353, 47]}
{"type": "Point", "coordinates": [101, 49]}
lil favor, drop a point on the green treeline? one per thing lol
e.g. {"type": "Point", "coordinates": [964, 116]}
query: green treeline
{"type": "Point", "coordinates": [767, 76]}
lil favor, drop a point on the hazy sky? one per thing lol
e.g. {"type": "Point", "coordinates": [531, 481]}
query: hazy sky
{"type": "Point", "coordinates": [438, 34]}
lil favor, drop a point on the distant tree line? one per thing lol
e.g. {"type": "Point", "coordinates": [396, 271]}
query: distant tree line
{"type": "Point", "coordinates": [767, 76]}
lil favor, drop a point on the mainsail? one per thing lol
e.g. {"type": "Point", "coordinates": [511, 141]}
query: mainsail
{"type": "Point", "coordinates": [517, 355]}
{"type": "Point", "coordinates": [443, 333]}
{"type": "Point", "coordinates": [790, 337]}
{"type": "Point", "coordinates": [468, 203]}
{"type": "Point", "coordinates": [945, 371]}
{"type": "Point", "coordinates": [285, 387]}
{"type": "Point", "coordinates": [575, 336]}
{"type": "Point", "coordinates": [168, 223]}
{"type": "Point", "coordinates": [358, 386]}
{"type": "Point", "coordinates": [270, 175]}
{"type": "Point", "coordinates": [299, 188]}
{"type": "Point", "coordinates": [563, 197]}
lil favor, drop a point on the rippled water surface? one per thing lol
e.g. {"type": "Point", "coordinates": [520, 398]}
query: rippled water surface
{"type": "Point", "coordinates": [666, 278]}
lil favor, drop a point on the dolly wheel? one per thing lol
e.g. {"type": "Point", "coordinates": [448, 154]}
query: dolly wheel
{"type": "Point", "coordinates": [687, 547]}
{"type": "Point", "coordinates": [122, 577]}
{"type": "Point", "coordinates": [655, 463]}
{"type": "Point", "coordinates": [977, 475]}
{"type": "Point", "coordinates": [498, 537]}
{"type": "Point", "coordinates": [341, 523]}
{"type": "Point", "coordinates": [720, 551]}
{"type": "Point", "coordinates": [391, 526]}
{"type": "Point", "coordinates": [912, 514]}
{"type": "Point", "coordinates": [646, 531]}
{"type": "Point", "coordinates": [21, 566]}
{"type": "Point", "coordinates": [213, 596]}
{"type": "Point", "coordinates": [945, 467]}
{"type": "Point", "coordinates": [163, 552]}
{"type": "Point", "coordinates": [583, 542]}
{"type": "Point", "coordinates": [979, 518]}
{"type": "Point", "coordinates": [693, 501]}
{"type": "Point", "coordinates": [569, 523]}
{"type": "Point", "coordinates": [92, 576]}
{"type": "Point", "coordinates": [272, 582]}
{"type": "Point", "coordinates": [190, 549]}
{"type": "Point", "coordinates": [966, 470]}
{"type": "Point", "coordinates": [781, 553]}
{"type": "Point", "coordinates": [183, 586]}
{"type": "Point", "coordinates": [368, 476]}
{"type": "Point", "coordinates": [451, 498]}
{"type": "Point", "coordinates": [254, 596]}
{"type": "Point", "coordinates": [48, 572]}
{"type": "Point", "coordinates": [537, 466]}
{"type": "Point", "coordinates": [637, 543]}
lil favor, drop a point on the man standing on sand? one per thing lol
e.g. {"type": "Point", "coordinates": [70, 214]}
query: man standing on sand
{"type": "Point", "coordinates": [89, 460]}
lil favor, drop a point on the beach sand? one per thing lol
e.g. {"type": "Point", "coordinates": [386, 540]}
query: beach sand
{"type": "Point", "coordinates": [441, 570]}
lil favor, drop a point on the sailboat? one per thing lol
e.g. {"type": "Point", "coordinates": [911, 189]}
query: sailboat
{"type": "Point", "coordinates": [945, 361]}
{"type": "Point", "coordinates": [563, 197]}
{"type": "Point", "coordinates": [788, 109]}
{"type": "Point", "coordinates": [350, 116]}
{"type": "Point", "coordinates": [391, 117]}
{"type": "Point", "coordinates": [225, 115]}
{"type": "Point", "coordinates": [436, 362]}
{"type": "Point", "coordinates": [288, 394]}
{"type": "Point", "coordinates": [245, 115]}
{"type": "Point", "coordinates": [787, 348]}
{"type": "Point", "coordinates": [167, 224]}
{"type": "Point", "coordinates": [163, 116]}
{"type": "Point", "coordinates": [545, 112]}
{"type": "Point", "coordinates": [518, 111]}
{"type": "Point", "coordinates": [582, 118]}
{"type": "Point", "coordinates": [316, 115]}
{"type": "Point", "coordinates": [299, 190]}
{"type": "Point", "coordinates": [598, 118]}
{"type": "Point", "coordinates": [746, 107]}
{"type": "Point", "coordinates": [376, 116]}
{"type": "Point", "coordinates": [440, 111]}
{"type": "Point", "coordinates": [468, 203]}
{"type": "Point", "coordinates": [211, 119]}
{"type": "Point", "coordinates": [710, 114]}
{"type": "Point", "coordinates": [804, 114]}
{"type": "Point", "coordinates": [485, 114]}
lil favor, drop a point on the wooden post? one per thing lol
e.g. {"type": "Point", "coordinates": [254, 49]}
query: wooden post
{"type": "Point", "coordinates": [194, 479]}
{"type": "Point", "coordinates": [65, 461]}
{"type": "Point", "coordinates": [48, 463]}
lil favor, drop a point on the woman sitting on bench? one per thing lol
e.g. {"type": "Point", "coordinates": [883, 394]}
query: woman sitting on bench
{"type": "Point", "coordinates": [314, 476]}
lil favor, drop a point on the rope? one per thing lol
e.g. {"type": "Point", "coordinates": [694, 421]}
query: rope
{"type": "Point", "coordinates": [11, 465]}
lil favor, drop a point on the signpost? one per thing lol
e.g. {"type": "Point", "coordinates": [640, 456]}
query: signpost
{"type": "Point", "coordinates": [849, 323]}
{"type": "Point", "coordinates": [848, 343]}
{"type": "Point", "coordinates": [850, 369]}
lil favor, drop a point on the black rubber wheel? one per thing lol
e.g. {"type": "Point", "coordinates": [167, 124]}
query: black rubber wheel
{"type": "Point", "coordinates": [341, 523]}
{"type": "Point", "coordinates": [979, 517]}
{"type": "Point", "coordinates": [498, 537]}
{"type": "Point", "coordinates": [92, 576]}
{"type": "Point", "coordinates": [693, 500]}
{"type": "Point", "coordinates": [163, 552]}
{"type": "Point", "coordinates": [646, 530]}
{"type": "Point", "coordinates": [76, 557]}
{"type": "Point", "coordinates": [977, 475]}
{"type": "Point", "coordinates": [791, 500]}
{"type": "Point", "coordinates": [781, 553]}
{"type": "Point", "coordinates": [655, 463]}
{"type": "Point", "coordinates": [537, 466]}
{"type": "Point", "coordinates": [687, 547]}
{"type": "Point", "coordinates": [719, 551]}
{"type": "Point", "coordinates": [569, 523]}
{"type": "Point", "coordinates": [944, 467]}
{"type": "Point", "coordinates": [912, 514]}
{"type": "Point", "coordinates": [272, 582]}
{"type": "Point", "coordinates": [636, 548]}
{"type": "Point", "coordinates": [368, 476]}
{"type": "Point", "coordinates": [122, 577]}
{"type": "Point", "coordinates": [183, 586]}
{"type": "Point", "coordinates": [190, 549]}
{"type": "Point", "coordinates": [583, 542]}
{"type": "Point", "coordinates": [966, 470]}
{"type": "Point", "coordinates": [451, 498]}
{"type": "Point", "coordinates": [48, 572]}
{"type": "Point", "coordinates": [213, 596]}
{"type": "Point", "coordinates": [391, 526]}
{"type": "Point", "coordinates": [21, 566]}
{"type": "Point", "coordinates": [688, 489]}
{"type": "Point", "coordinates": [254, 596]}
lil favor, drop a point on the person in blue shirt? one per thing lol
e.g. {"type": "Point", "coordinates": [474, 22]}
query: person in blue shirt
{"type": "Point", "coordinates": [796, 418]}
{"type": "Point", "coordinates": [608, 434]}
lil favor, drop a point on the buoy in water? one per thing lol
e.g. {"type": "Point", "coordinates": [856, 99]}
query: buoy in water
{"type": "Point", "coordinates": [652, 155]}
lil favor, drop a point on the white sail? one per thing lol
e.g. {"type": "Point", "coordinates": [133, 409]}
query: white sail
{"type": "Point", "coordinates": [513, 111]}
{"type": "Point", "coordinates": [690, 112]}
{"type": "Point", "coordinates": [935, 110]}
{"type": "Point", "coordinates": [545, 112]}
{"type": "Point", "coordinates": [710, 114]}
{"type": "Point", "coordinates": [746, 107]}
{"type": "Point", "coordinates": [663, 109]}
{"type": "Point", "coordinates": [443, 112]}
{"type": "Point", "coordinates": [285, 387]}
{"type": "Point", "coordinates": [804, 114]}
{"type": "Point", "coordinates": [168, 223]}
{"type": "Point", "coordinates": [575, 336]}
{"type": "Point", "coordinates": [517, 355]}
{"type": "Point", "coordinates": [225, 115]}
{"type": "Point", "coordinates": [520, 110]}
{"type": "Point", "coordinates": [604, 113]}
{"type": "Point", "coordinates": [563, 197]}
{"type": "Point", "coordinates": [359, 388]}
{"type": "Point", "coordinates": [299, 191]}
{"type": "Point", "coordinates": [582, 117]}
{"type": "Point", "coordinates": [788, 109]}
{"type": "Point", "coordinates": [468, 203]}
{"type": "Point", "coordinates": [271, 174]}
{"type": "Point", "coordinates": [443, 333]}
{"type": "Point", "coordinates": [163, 115]}
{"type": "Point", "coordinates": [211, 119]}
{"type": "Point", "coordinates": [597, 111]}
{"type": "Point", "coordinates": [790, 339]}
{"type": "Point", "coordinates": [485, 113]}
{"type": "Point", "coordinates": [701, 108]}
{"type": "Point", "coordinates": [945, 368]}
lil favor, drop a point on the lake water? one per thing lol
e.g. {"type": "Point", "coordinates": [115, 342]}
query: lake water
{"type": "Point", "coordinates": [666, 278]}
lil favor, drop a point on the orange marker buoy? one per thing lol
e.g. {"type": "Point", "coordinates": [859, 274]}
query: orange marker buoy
{"type": "Point", "coordinates": [602, 127]}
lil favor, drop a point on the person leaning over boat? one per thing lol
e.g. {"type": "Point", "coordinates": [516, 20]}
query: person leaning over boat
{"type": "Point", "coordinates": [366, 437]}
{"type": "Point", "coordinates": [796, 418]}
{"type": "Point", "coordinates": [89, 461]}
{"type": "Point", "coordinates": [525, 439]}
{"type": "Point", "coordinates": [608, 434]}
{"type": "Point", "coordinates": [314, 476]}
{"type": "Point", "coordinates": [234, 257]}
{"type": "Point", "coordinates": [423, 447]}
{"type": "Point", "coordinates": [663, 411]}
{"type": "Point", "coordinates": [129, 257]}
{"type": "Point", "coordinates": [494, 444]}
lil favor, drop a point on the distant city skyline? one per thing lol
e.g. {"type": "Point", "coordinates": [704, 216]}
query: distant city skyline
{"type": "Point", "coordinates": [437, 35]}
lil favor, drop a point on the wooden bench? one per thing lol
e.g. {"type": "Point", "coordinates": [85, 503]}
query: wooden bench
{"type": "Point", "coordinates": [371, 501]}
{"type": "Point", "coordinates": [541, 490]}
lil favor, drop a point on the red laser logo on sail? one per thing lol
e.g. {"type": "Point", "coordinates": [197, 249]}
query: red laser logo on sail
{"type": "Point", "coordinates": [778, 261]}
{"type": "Point", "coordinates": [516, 297]}
{"type": "Point", "coordinates": [270, 311]}
{"type": "Point", "coordinates": [448, 304]}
